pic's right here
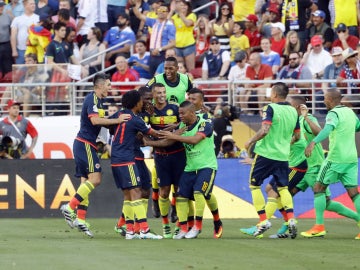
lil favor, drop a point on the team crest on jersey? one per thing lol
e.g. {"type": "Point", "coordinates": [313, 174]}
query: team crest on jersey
{"type": "Point", "coordinates": [101, 113]}
{"type": "Point", "coordinates": [146, 119]}
{"type": "Point", "coordinates": [97, 166]}
{"type": "Point", "coordinates": [138, 179]}
{"type": "Point", "coordinates": [169, 112]}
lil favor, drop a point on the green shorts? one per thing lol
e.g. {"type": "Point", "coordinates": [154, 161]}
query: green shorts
{"type": "Point", "coordinates": [346, 173]}
{"type": "Point", "coordinates": [309, 180]}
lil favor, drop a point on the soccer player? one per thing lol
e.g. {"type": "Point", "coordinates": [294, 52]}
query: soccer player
{"type": "Point", "coordinates": [176, 84]}
{"type": "Point", "coordinates": [279, 127]}
{"type": "Point", "coordinates": [170, 160]}
{"type": "Point", "coordinates": [198, 177]}
{"type": "Point", "coordinates": [88, 167]}
{"type": "Point", "coordinates": [341, 163]}
{"type": "Point", "coordinates": [125, 170]}
{"type": "Point", "coordinates": [196, 97]}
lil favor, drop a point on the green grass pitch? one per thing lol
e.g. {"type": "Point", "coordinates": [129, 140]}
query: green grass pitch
{"type": "Point", "coordinates": [50, 244]}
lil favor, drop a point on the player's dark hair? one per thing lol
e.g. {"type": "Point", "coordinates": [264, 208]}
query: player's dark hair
{"type": "Point", "coordinates": [156, 85]}
{"type": "Point", "coordinates": [299, 99]}
{"type": "Point", "coordinates": [130, 99]}
{"type": "Point", "coordinates": [187, 104]}
{"type": "Point", "coordinates": [281, 89]}
{"type": "Point", "coordinates": [172, 59]}
{"type": "Point", "coordinates": [100, 78]}
{"type": "Point", "coordinates": [143, 90]}
{"type": "Point", "coordinates": [196, 91]}
{"type": "Point", "coordinates": [58, 25]}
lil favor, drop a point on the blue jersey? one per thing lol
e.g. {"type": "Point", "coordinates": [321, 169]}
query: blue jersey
{"type": "Point", "coordinates": [124, 139]}
{"type": "Point", "coordinates": [92, 106]}
{"type": "Point", "coordinates": [162, 118]}
{"type": "Point", "coordinates": [145, 60]}
{"type": "Point", "coordinates": [138, 143]}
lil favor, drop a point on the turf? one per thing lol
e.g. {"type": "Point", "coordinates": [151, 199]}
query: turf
{"type": "Point", "coordinates": [50, 244]}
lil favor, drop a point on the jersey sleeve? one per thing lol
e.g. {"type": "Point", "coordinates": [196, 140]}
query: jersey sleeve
{"type": "Point", "coordinates": [332, 119]}
{"type": "Point", "coordinates": [31, 130]}
{"type": "Point", "coordinates": [205, 129]}
{"type": "Point", "coordinates": [267, 114]}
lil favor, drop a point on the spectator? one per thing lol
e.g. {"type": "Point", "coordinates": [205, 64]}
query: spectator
{"type": "Point", "coordinates": [277, 39]}
{"type": "Point", "coordinates": [271, 16]}
{"type": "Point", "coordinates": [349, 71]}
{"type": "Point", "coordinates": [58, 55]}
{"type": "Point", "coordinates": [295, 71]}
{"type": "Point", "coordinates": [292, 44]}
{"type": "Point", "coordinates": [345, 12]}
{"type": "Point", "coordinates": [136, 24]}
{"type": "Point", "coordinates": [43, 9]}
{"type": "Point", "coordinates": [19, 30]}
{"type": "Point", "coordinates": [316, 58]}
{"type": "Point", "coordinates": [64, 4]}
{"type": "Point", "coordinates": [202, 34]}
{"type": "Point", "coordinates": [15, 8]}
{"type": "Point", "coordinates": [123, 74]}
{"type": "Point", "coordinates": [238, 41]}
{"type": "Point", "coordinates": [217, 62]}
{"type": "Point", "coordinates": [29, 74]}
{"type": "Point", "coordinates": [16, 128]}
{"type": "Point", "coordinates": [238, 72]}
{"type": "Point", "coordinates": [71, 47]}
{"type": "Point", "coordinates": [222, 26]}
{"type": "Point", "coordinates": [295, 17]}
{"type": "Point", "coordinates": [269, 57]}
{"type": "Point", "coordinates": [162, 36]}
{"type": "Point", "coordinates": [222, 125]}
{"type": "Point", "coordinates": [333, 70]}
{"type": "Point", "coordinates": [39, 38]}
{"type": "Point", "coordinates": [252, 32]}
{"type": "Point", "coordinates": [140, 60]}
{"type": "Point", "coordinates": [168, 53]}
{"type": "Point", "coordinates": [119, 34]}
{"type": "Point", "coordinates": [320, 27]}
{"type": "Point", "coordinates": [101, 19]}
{"type": "Point", "coordinates": [324, 6]}
{"type": "Point", "coordinates": [114, 8]}
{"type": "Point", "coordinates": [5, 46]}
{"type": "Point", "coordinates": [228, 148]}
{"type": "Point", "coordinates": [94, 46]}
{"type": "Point", "coordinates": [87, 14]}
{"type": "Point", "coordinates": [345, 40]}
{"type": "Point", "coordinates": [184, 22]}
{"type": "Point", "coordinates": [184, 70]}
{"type": "Point", "coordinates": [258, 71]}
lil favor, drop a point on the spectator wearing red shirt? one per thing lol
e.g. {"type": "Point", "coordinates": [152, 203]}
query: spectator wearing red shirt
{"type": "Point", "coordinates": [258, 71]}
{"type": "Point", "coordinates": [345, 40]}
{"type": "Point", "coordinates": [277, 38]}
{"type": "Point", "coordinates": [252, 32]}
{"type": "Point", "coordinates": [123, 74]}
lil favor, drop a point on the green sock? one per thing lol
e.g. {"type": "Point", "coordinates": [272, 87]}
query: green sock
{"type": "Point", "coordinates": [356, 201]}
{"type": "Point", "coordinates": [320, 205]}
{"type": "Point", "coordinates": [341, 210]}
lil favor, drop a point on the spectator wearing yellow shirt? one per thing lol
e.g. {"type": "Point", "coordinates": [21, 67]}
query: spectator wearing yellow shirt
{"type": "Point", "coordinates": [238, 41]}
{"type": "Point", "coordinates": [184, 21]}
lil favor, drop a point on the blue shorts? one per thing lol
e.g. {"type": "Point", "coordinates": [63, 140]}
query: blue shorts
{"type": "Point", "coordinates": [144, 174]}
{"type": "Point", "coordinates": [185, 51]}
{"type": "Point", "coordinates": [169, 168]}
{"type": "Point", "coordinates": [201, 181]}
{"type": "Point", "coordinates": [264, 167]}
{"type": "Point", "coordinates": [296, 174]}
{"type": "Point", "coordinates": [126, 176]}
{"type": "Point", "coordinates": [86, 159]}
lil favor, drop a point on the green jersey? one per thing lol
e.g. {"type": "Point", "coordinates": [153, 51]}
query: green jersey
{"type": "Point", "coordinates": [342, 146]}
{"type": "Point", "coordinates": [202, 154]}
{"type": "Point", "coordinates": [174, 91]}
{"type": "Point", "coordinates": [297, 151]}
{"type": "Point", "coordinates": [284, 121]}
{"type": "Point", "coordinates": [317, 155]}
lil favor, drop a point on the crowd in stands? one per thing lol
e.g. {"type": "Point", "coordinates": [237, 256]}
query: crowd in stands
{"type": "Point", "coordinates": [240, 40]}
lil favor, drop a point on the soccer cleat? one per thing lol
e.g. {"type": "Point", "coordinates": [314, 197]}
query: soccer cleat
{"type": "Point", "coordinates": [193, 233]}
{"type": "Point", "coordinates": [176, 231]}
{"type": "Point", "coordinates": [251, 231]}
{"type": "Point", "coordinates": [262, 227]}
{"type": "Point", "coordinates": [167, 231]}
{"type": "Point", "coordinates": [149, 235]}
{"type": "Point", "coordinates": [316, 231]}
{"type": "Point", "coordinates": [156, 208]}
{"type": "Point", "coordinates": [83, 227]}
{"type": "Point", "coordinates": [292, 228]}
{"type": "Point", "coordinates": [218, 229]}
{"type": "Point", "coordinates": [120, 230]}
{"type": "Point", "coordinates": [282, 232]}
{"type": "Point", "coordinates": [69, 215]}
{"type": "Point", "coordinates": [173, 215]}
{"type": "Point", "coordinates": [179, 235]}
{"type": "Point", "coordinates": [131, 235]}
